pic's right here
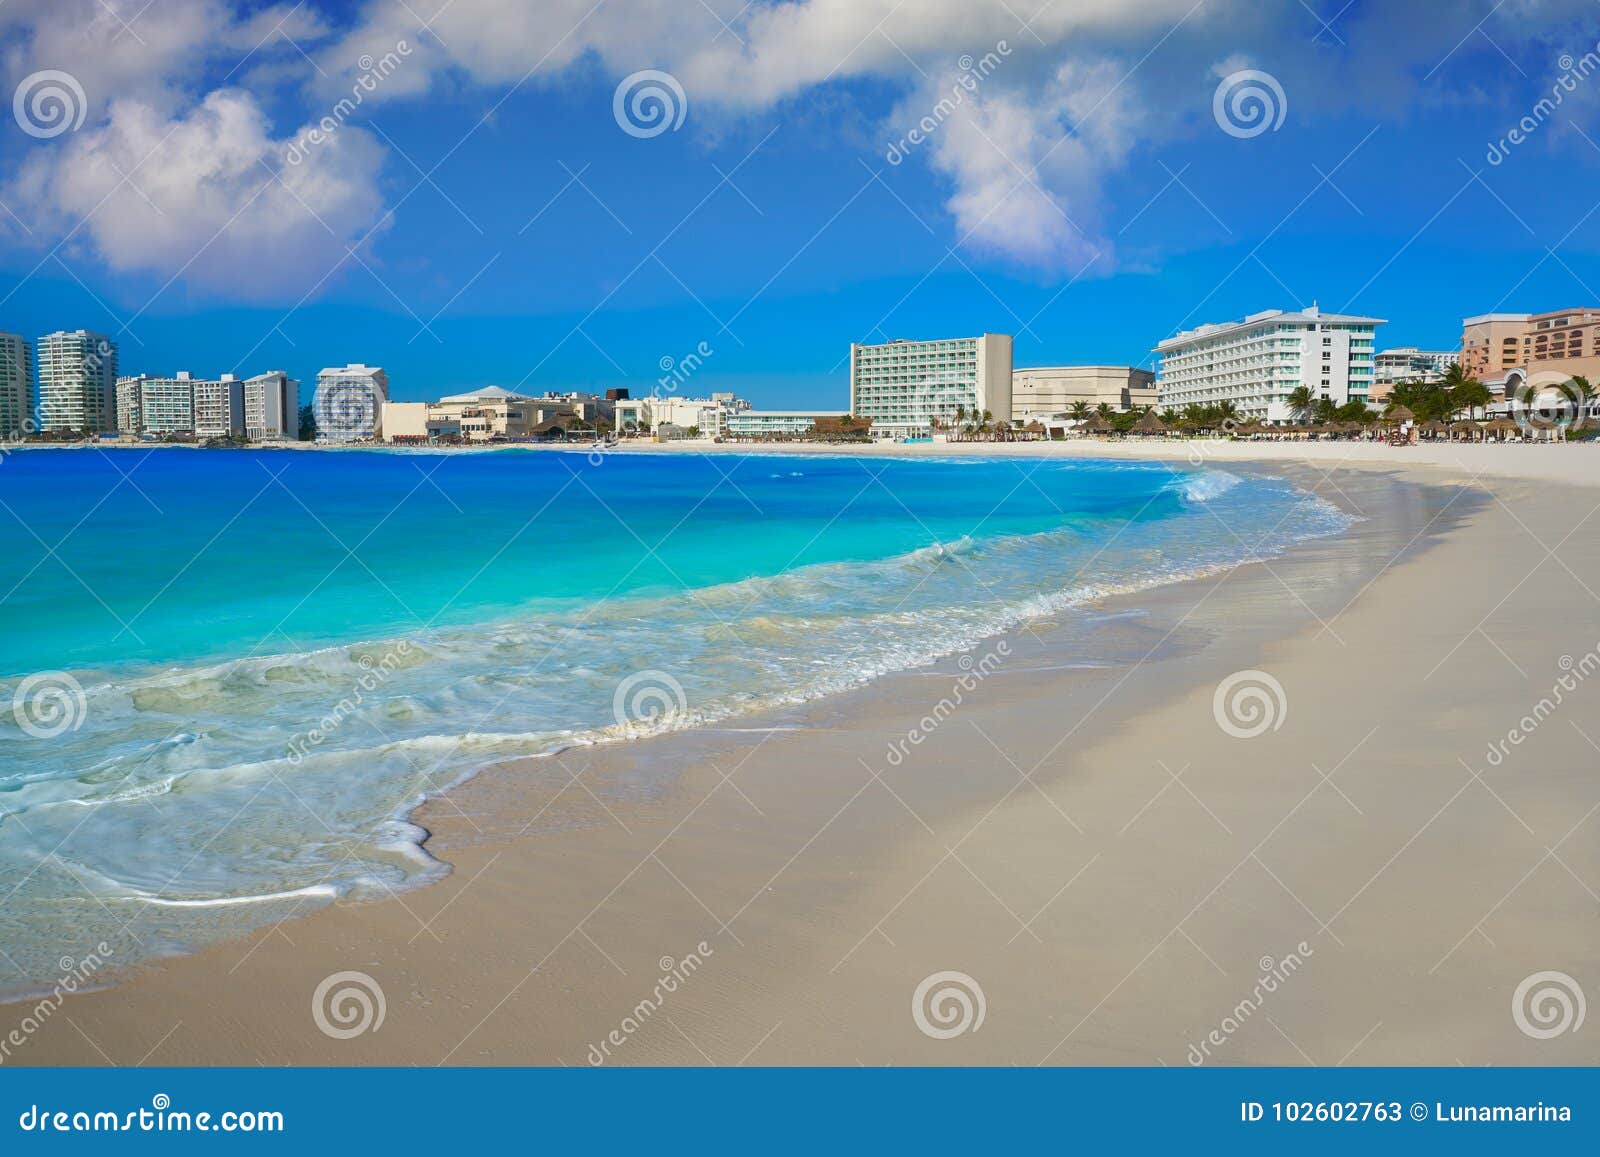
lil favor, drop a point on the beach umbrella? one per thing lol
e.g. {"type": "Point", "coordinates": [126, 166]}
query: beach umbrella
{"type": "Point", "coordinates": [1148, 423]}
{"type": "Point", "coordinates": [1097, 424]}
{"type": "Point", "coordinates": [1399, 414]}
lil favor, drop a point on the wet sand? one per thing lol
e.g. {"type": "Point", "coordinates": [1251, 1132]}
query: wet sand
{"type": "Point", "coordinates": [1121, 879]}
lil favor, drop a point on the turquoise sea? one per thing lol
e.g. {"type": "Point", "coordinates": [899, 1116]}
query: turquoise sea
{"type": "Point", "coordinates": [227, 677]}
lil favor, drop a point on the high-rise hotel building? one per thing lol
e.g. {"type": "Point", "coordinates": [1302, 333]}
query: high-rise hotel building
{"type": "Point", "coordinates": [16, 384]}
{"type": "Point", "coordinates": [349, 403]}
{"type": "Point", "coordinates": [908, 388]}
{"type": "Point", "coordinates": [1258, 362]}
{"type": "Point", "coordinates": [271, 407]}
{"type": "Point", "coordinates": [77, 382]}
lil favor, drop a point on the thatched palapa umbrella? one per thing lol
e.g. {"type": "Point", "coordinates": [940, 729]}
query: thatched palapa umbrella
{"type": "Point", "coordinates": [1398, 414]}
{"type": "Point", "coordinates": [1097, 424]}
{"type": "Point", "coordinates": [1148, 423]}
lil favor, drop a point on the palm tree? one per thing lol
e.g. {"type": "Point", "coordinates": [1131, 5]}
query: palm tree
{"type": "Point", "coordinates": [1080, 410]}
{"type": "Point", "coordinates": [1300, 400]}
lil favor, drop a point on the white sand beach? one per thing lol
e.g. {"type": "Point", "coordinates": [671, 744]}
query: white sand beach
{"type": "Point", "coordinates": [1079, 846]}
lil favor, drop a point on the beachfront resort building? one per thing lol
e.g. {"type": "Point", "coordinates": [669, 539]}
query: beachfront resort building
{"type": "Point", "coordinates": [494, 414]}
{"type": "Point", "coordinates": [775, 423]}
{"type": "Point", "coordinates": [180, 406]}
{"type": "Point", "coordinates": [1046, 390]}
{"type": "Point", "coordinates": [909, 388]}
{"type": "Point", "coordinates": [77, 382]}
{"type": "Point", "coordinates": [271, 407]}
{"type": "Point", "coordinates": [16, 384]}
{"type": "Point", "coordinates": [1407, 364]}
{"type": "Point", "coordinates": [218, 407]}
{"type": "Point", "coordinates": [349, 403]}
{"type": "Point", "coordinates": [666, 416]}
{"type": "Point", "coordinates": [1258, 362]}
{"type": "Point", "coordinates": [1507, 351]}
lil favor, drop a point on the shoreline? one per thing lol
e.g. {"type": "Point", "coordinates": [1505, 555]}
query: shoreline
{"type": "Point", "coordinates": [1573, 463]}
{"type": "Point", "coordinates": [580, 831]}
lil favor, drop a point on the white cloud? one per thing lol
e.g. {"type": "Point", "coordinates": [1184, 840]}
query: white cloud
{"type": "Point", "coordinates": [205, 196]}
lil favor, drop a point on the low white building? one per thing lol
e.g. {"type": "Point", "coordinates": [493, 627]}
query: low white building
{"type": "Point", "coordinates": [773, 423]}
{"type": "Point", "coordinates": [1044, 390]}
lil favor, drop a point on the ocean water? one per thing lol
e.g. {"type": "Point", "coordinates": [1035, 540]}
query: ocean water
{"type": "Point", "coordinates": [226, 678]}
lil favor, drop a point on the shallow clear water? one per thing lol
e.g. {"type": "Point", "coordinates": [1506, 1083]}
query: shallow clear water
{"type": "Point", "coordinates": [281, 653]}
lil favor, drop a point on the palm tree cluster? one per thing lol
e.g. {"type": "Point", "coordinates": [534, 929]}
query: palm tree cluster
{"type": "Point", "coordinates": [1458, 392]}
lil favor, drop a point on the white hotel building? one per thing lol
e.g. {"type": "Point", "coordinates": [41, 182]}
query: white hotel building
{"type": "Point", "coordinates": [907, 387]}
{"type": "Point", "coordinates": [1256, 363]}
{"type": "Point", "coordinates": [349, 403]}
{"type": "Point", "coordinates": [271, 407]}
{"type": "Point", "coordinates": [16, 384]}
{"type": "Point", "coordinates": [77, 382]}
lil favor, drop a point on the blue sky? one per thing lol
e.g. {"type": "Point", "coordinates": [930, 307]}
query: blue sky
{"type": "Point", "coordinates": [482, 216]}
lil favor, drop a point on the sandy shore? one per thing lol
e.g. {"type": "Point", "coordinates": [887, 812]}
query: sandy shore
{"type": "Point", "coordinates": [1367, 881]}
